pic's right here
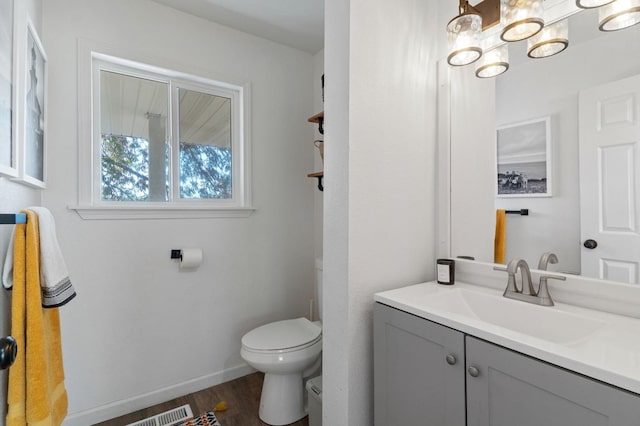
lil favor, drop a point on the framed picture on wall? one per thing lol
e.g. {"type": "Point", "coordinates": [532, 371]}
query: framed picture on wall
{"type": "Point", "coordinates": [523, 159]}
{"type": "Point", "coordinates": [34, 113]}
{"type": "Point", "coordinates": [8, 151]}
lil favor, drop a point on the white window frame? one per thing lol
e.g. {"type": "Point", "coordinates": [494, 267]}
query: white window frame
{"type": "Point", "coordinates": [90, 204]}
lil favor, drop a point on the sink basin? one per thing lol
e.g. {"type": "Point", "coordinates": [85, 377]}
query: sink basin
{"type": "Point", "coordinates": [548, 323]}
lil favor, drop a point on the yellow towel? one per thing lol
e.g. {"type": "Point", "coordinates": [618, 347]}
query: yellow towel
{"type": "Point", "coordinates": [500, 242]}
{"type": "Point", "coordinates": [36, 394]}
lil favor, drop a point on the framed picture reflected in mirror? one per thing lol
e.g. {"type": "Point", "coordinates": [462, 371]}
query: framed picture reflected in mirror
{"type": "Point", "coordinates": [523, 159]}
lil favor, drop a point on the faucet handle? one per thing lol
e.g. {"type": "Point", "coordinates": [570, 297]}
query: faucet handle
{"type": "Point", "coordinates": [547, 275]}
{"type": "Point", "coordinates": [511, 280]}
{"type": "Point", "coordinates": [543, 288]}
{"type": "Point", "coordinates": [545, 259]}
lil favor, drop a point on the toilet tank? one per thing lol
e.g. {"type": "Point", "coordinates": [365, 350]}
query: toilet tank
{"type": "Point", "coordinates": [319, 286]}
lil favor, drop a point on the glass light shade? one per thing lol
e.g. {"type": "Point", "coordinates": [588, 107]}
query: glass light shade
{"type": "Point", "coordinates": [520, 19]}
{"type": "Point", "coordinates": [493, 62]}
{"type": "Point", "coordinates": [551, 40]}
{"type": "Point", "coordinates": [591, 4]}
{"type": "Point", "coordinates": [619, 14]}
{"type": "Point", "coordinates": [464, 37]}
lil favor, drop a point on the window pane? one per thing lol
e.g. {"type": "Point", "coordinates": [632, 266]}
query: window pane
{"type": "Point", "coordinates": [205, 145]}
{"type": "Point", "coordinates": [134, 153]}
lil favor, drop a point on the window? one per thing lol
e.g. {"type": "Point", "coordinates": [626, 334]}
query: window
{"type": "Point", "coordinates": [163, 141]}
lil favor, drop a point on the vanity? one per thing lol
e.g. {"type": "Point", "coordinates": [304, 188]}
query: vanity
{"type": "Point", "coordinates": [465, 355]}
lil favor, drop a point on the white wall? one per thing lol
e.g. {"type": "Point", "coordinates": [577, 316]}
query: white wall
{"type": "Point", "coordinates": [380, 68]}
{"type": "Point", "coordinates": [139, 331]}
{"type": "Point", "coordinates": [13, 198]}
{"type": "Point", "coordinates": [472, 211]}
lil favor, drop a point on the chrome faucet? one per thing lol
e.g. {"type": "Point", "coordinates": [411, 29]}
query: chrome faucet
{"type": "Point", "coordinates": [527, 293]}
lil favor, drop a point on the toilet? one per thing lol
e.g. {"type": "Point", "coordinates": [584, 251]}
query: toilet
{"type": "Point", "coordinates": [287, 352]}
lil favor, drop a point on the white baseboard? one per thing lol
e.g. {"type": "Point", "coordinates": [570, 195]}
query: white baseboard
{"type": "Point", "coordinates": [125, 406]}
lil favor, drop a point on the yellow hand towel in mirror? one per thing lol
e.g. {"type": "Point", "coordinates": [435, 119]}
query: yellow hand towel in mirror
{"type": "Point", "coordinates": [500, 241]}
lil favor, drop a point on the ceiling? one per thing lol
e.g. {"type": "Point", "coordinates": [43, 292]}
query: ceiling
{"type": "Point", "coordinates": [138, 107]}
{"type": "Point", "coordinates": [295, 23]}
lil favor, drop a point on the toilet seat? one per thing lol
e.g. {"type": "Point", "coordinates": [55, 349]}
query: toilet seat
{"type": "Point", "coordinates": [282, 336]}
{"type": "Point", "coordinates": [286, 352]}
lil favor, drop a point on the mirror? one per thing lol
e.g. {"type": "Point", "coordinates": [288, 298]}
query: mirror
{"type": "Point", "coordinates": [531, 89]}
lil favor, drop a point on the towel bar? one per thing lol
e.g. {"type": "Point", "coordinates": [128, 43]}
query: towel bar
{"type": "Point", "coordinates": [521, 212]}
{"type": "Point", "coordinates": [11, 219]}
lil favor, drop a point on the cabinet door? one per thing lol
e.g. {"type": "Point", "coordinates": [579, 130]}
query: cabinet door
{"type": "Point", "coordinates": [514, 389]}
{"type": "Point", "coordinates": [414, 382]}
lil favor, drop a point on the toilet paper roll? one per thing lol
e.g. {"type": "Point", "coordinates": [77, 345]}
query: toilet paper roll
{"type": "Point", "coordinates": [191, 258]}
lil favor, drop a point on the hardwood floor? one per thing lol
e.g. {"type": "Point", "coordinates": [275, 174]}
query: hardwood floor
{"type": "Point", "coordinates": [242, 396]}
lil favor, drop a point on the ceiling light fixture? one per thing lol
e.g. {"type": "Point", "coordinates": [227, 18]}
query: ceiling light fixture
{"type": "Point", "coordinates": [464, 36]}
{"type": "Point", "coordinates": [591, 4]}
{"type": "Point", "coordinates": [520, 19]}
{"type": "Point", "coordinates": [619, 14]}
{"type": "Point", "coordinates": [552, 40]}
{"type": "Point", "coordinates": [493, 62]}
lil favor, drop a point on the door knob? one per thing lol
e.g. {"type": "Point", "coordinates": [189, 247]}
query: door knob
{"type": "Point", "coordinates": [590, 244]}
{"type": "Point", "coordinates": [451, 359]}
{"type": "Point", "coordinates": [8, 351]}
{"type": "Point", "coordinates": [473, 371]}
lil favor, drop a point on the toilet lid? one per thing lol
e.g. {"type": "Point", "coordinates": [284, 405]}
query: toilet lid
{"type": "Point", "coordinates": [282, 334]}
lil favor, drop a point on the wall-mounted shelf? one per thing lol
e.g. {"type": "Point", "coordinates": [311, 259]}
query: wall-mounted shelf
{"type": "Point", "coordinates": [319, 119]}
{"type": "Point", "coordinates": [318, 175]}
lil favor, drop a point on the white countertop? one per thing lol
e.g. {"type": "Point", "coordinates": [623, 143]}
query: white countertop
{"type": "Point", "coordinates": [610, 353]}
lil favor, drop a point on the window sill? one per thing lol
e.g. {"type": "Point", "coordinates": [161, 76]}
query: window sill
{"type": "Point", "coordinates": [90, 212]}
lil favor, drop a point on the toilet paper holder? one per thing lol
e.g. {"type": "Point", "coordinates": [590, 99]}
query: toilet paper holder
{"type": "Point", "coordinates": [189, 259]}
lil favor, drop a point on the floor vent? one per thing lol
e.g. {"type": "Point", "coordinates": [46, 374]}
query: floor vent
{"type": "Point", "coordinates": [167, 418]}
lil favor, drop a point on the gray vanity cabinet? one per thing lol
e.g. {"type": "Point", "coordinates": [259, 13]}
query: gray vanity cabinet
{"type": "Point", "coordinates": [418, 371]}
{"type": "Point", "coordinates": [417, 382]}
{"type": "Point", "coordinates": [514, 389]}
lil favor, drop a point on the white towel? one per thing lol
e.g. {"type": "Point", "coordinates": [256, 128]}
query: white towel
{"type": "Point", "coordinates": [7, 269]}
{"type": "Point", "coordinates": [54, 277]}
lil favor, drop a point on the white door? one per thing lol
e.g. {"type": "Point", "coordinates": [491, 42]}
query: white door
{"type": "Point", "coordinates": [609, 180]}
